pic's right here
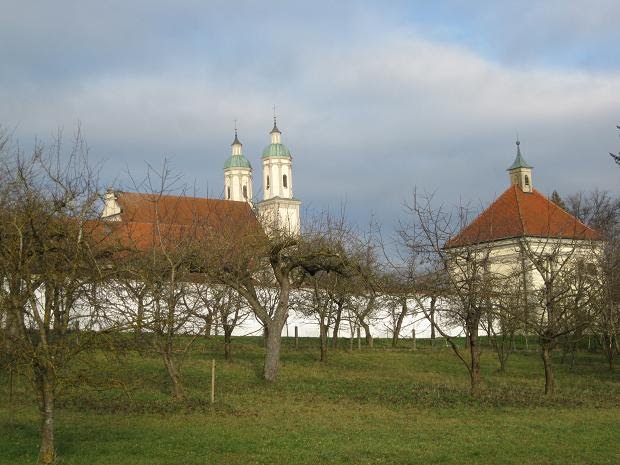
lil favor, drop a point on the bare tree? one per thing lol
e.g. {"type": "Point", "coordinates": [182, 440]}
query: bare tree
{"type": "Point", "coordinates": [368, 282]}
{"type": "Point", "coordinates": [223, 306]}
{"type": "Point", "coordinates": [156, 271]}
{"type": "Point", "coordinates": [602, 212]}
{"type": "Point", "coordinates": [504, 317]}
{"type": "Point", "coordinates": [254, 262]}
{"type": "Point", "coordinates": [396, 301]}
{"type": "Point", "coordinates": [51, 255]}
{"type": "Point", "coordinates": [566, 296]}
{"type": "Point", "coordinates": [322, 297]}
{"type": "Point", "coordinates": [462, 273]}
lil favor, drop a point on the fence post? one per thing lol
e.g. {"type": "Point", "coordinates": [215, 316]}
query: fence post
{"type": "Point", "coordinates": [413, 337]}
{"type": "Point", "coordinates": [296, 338]}
{"type": "Point", "coordinates": [213, 381]}
{"type": "Point", "coordinates": [359, 339]}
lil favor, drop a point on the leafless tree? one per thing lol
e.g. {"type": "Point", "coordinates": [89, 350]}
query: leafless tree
{"type": "Point", "coordinates": [504, 317]}
{"type": "Point", "coordinates": [462, 274]}
{"type": "Point", "coordinates": [396, 301]}
{"type": "Point", "coordinates": [156, 270]}
{"type": "Point", "coordinates": [599, 210]}
{"type": "Point", "coordinates": [279, 262]}
{"type": "Point", "coordinates": [565, 301]}
{"type": "Point", "coordinates": [223, 306]}
{"type": "Point", "coordinates": [51, 255]}
{"type": "Point", "coordinates": [368, 282]}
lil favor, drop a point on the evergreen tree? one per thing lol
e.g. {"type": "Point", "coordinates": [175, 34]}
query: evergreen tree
{"type": "Point", "coordinates": [556, 199]}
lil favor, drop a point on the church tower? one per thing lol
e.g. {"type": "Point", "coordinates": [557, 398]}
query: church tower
{"type": "Point", "coordinates": [520, 172]}
{"type": "Point", "coordinates": [279, 210]}
{"type": "Point", "coordinates": [237, 174]}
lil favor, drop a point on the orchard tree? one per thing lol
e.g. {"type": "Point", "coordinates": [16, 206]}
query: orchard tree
{"type": "Point", "coordinates": [461, 273]}
{"type": "Point", "coordinates": [52, 254]}
{"type": "Point", "coordinates": [251, 261]}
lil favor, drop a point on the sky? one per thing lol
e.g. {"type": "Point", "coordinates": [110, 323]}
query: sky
{"type": "Point", "coordinates": [374, 98]}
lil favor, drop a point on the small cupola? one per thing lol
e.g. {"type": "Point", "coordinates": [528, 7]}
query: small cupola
{"type": "Point", "coordinates": [520, 172]}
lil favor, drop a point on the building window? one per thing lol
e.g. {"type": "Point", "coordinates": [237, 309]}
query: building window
{"type": "Point", "coordinates": [229, 192]}
{"type": "Point", "coordinates": [245, 192]}
{"type": "Point", "coordinates": [284, 182]}
{"type": "Point", "coordinates": [267, 183]}
{"type": "Point", "coordinates": [527, 180]}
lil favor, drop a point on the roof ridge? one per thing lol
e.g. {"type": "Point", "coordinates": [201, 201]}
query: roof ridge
{"type": "Point", "coordinates": [147, 195]}
{"type": "Point", "coordinates": [514, 189]}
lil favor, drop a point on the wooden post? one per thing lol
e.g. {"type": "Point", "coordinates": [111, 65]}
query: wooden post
{"type": "Point", "coordinates": [359, 339]}
{"type": "Point", "coordinates": [213, 381]}
{"type": "Point", "coordinates": [413, 337]}
{"type": "Point", "coordinates": [296, 338]}
{"type": "Point", "coordinates": [11, 408]}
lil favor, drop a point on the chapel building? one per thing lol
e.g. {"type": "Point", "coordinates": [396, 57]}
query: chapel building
{"type": "Point", "coordinates": [521, 228]}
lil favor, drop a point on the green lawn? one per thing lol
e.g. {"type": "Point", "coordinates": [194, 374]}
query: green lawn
{"type": "Point", "coordinates": [368, 407]}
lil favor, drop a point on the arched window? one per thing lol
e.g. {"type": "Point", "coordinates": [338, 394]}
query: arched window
{"type": "Point", "coordinates": [267, 183]}
{"type": "Point", "coordinates": [284, 181]}
{"type": "Point", "coordinates": [245, 192]}
{"type": "Point", "coordinates": [229, 192]}
{"type": "Point", "coordinates": [527, 180]}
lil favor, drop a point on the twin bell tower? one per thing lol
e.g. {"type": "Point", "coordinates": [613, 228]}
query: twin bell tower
{"type": "Point", "coordinates": [279, 210]}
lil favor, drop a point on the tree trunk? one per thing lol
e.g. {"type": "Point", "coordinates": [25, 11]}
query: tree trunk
{"type": "Point", "coordinates": [336, 327]}
{"type": "Point", "coordinates": [367, 335]}
{"type": "Point", "coordinates": [273, 343]}
{"type": "Point", "coordinates": [549, 378]}
{"type": "Point", "coordinates": [45, 386]}
{"type": "Point", "coordinates": [399, 324]}
{"type": "Point", "coordinates": [474, 371]}
{"type": "Point", "coordinates": [139, 319]}
{"type": "Point", "coordinates": [227, 342]}
{"type": "Point", "coordinates": [173, 372]}
{"type": "Point", "coordinates": [323, 339]}
{"type": "Point", "coordinates": [432, 317]}
{"type": "Point", "coordinates": [609, 349]}
{"type": "Point", "coordinates": [208, 325]}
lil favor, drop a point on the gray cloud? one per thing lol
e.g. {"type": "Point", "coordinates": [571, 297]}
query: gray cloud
{"type": "Point", "coordinates": [369, 107]}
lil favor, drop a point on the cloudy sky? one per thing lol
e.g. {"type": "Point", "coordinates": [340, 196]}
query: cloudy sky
{"type": "Point", "coordinates": [374, 98]}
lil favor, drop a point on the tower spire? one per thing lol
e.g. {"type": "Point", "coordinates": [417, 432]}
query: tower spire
{"type": "Point", "coordinates": [520, 172]}
{"type": "Point", "coordinates": [275, 129]}
{"type": "Point", "coordinates": [236, 145]}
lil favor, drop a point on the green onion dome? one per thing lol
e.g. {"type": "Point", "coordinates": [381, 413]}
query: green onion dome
{"type": "Point", "coordinates": [237, 161]}
{"type": "Point", "coordinates": [277, 151]}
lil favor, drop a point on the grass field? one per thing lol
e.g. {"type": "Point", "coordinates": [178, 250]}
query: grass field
{"type": "Point", "coordinates": [381, 406]}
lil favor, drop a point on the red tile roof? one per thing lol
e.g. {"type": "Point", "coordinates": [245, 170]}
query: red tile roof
{"type": "Point", "coordinates": [167, 221]}
{"type": "Point", "coordinates": [521, 214]}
